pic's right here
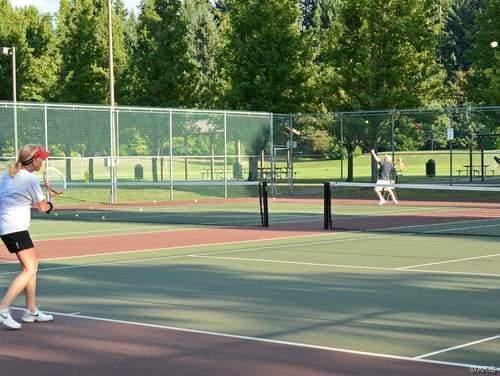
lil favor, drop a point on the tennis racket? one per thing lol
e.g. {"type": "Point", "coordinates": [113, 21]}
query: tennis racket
{"type": "Point", "coordinates": [55, 182]}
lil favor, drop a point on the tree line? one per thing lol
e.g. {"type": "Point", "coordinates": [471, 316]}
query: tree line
{"type": "Point", "coordinates": [283, 56]}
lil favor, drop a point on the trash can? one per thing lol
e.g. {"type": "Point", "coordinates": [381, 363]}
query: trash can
{"type": "Point", "coordinates": [138, 171]}
{"type": "Point", "coordinates": [430, 168]}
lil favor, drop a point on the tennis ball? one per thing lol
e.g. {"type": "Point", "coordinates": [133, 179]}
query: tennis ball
{"type": "Point", "coordinates": [154, 201]}
{"type": "Point", "coordinates": [140, 209]}
{"type": "Point", "coordinates": [56, 214]}
{"type": "Point", "coordinates": [103, 217]}
{"type": "Point", "coordinates": [76, 215]}
{"type": "Point", "coordinates": [195, 201]}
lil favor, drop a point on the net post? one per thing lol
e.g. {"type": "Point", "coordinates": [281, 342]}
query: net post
{"type": "Point", "coordinates": [327, 206]}
{"type": "Point", "coordinates": [263, 201]}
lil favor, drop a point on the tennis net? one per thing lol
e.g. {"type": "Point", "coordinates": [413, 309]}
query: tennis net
{"type": "Point", "coordinates": [420, 208]}
{"type": "Point", "coordinates": [191, 203]}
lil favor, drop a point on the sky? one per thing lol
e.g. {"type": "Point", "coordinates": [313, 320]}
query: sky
{"type": "Point", "coordinates": [52, 6]}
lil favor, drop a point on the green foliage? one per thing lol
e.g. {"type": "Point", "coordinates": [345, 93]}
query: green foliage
{"type": "Point", "coordinates": [203, 50]}
{"type": "Point", "coordinates": [133, 142]}
{"type": "Point", "coordinates": [484, 84]}
{"type": "Point", "coordinates": [160, 59]}
{"type": "Point", "coordinates": [264, 55]}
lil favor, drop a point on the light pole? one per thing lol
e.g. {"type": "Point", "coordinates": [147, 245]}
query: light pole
{"type": "Point", "coordinates": [12, 52]}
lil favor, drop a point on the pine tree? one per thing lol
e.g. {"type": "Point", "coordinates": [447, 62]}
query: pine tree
{"type": "Point", "coordinates": [160, 59]}
{"type": "Point", "coordinates": [203, 48]}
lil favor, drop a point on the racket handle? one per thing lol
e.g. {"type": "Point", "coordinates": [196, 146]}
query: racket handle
{"type": "Point", "coordinates": [51, 207]}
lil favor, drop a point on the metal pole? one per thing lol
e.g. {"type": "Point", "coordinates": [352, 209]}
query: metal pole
{"type": "Point", "coordinates": [225, 154]}
{"type": "Point", "coordinates": [112, 104]}
{"type": "Point", "coordinates": [470, 156]}
{"type": "Point", "coordinates": [393, 138]}
{"type": "Point", "coordinates": [14, 97]}
{"type": "Point", "coordinates": [451, 162]}
{"type": "Point", "coordinates": [171, 154]}
{"type": "Point", "coordinates": [341, 146]}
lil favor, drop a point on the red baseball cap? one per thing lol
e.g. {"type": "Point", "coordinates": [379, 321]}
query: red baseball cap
{"type": "Point", "coordinates": [41, 153]}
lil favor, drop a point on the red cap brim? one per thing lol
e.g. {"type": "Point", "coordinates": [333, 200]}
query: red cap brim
{"type": "Point", "coordinates": [42, 154]}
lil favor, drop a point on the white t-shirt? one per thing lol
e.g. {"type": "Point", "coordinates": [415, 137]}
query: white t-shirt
{"type": "Point", "coordinates": [17, 196]}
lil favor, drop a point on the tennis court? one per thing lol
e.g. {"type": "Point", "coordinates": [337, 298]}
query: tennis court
{"type": "Point", "coordinates": [137, 295]}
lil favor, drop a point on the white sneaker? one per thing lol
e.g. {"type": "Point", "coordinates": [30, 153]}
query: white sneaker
{"type": "Point", "coordinates": [381, 202]}
{"type": "Point", "coordinates": [37, 316]}
{"type": "Point", "coordinates": [8, 321]}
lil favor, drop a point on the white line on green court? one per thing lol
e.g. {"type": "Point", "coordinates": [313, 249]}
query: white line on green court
{"type": "Point", "coordinates": [175, 248]}
{"type": "Point", "coordinates": [267, 340]}
{"type": "Point", "coordinates": [290, 262]}
{"type": "Point", "coordinates": [209, 254]}
{"type": "Point", "coordinates": [221, 244]}
{"type": "Point", "coordinates": [346, 266]}
{"type": "Point", "coordinates": [458, 347]}
{"type": "Point", "coordinates": [449, 261]}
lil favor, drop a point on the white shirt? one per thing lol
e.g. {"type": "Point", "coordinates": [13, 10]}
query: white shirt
{"type": "Point", "coordinates": [17, 196]}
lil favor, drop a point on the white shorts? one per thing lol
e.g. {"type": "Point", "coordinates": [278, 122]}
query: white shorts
{"type": "Point", "coordinates": [382, 184]}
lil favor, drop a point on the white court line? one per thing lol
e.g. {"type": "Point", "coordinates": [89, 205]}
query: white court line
{"type": "Point", "coordinates": [290, 262]}
{"type": "Point", "coordinates": [209, 254]}
{"type": "Point", "coordinates": [346, 266]}
{"type": "Point", "coordinates": [174, 248]}
{"type": "Point", "coordinates": [217, 244]}
{"type": "Point", "coordinates": [449, 261]}
{"type": "Point", "coordinates": [267, 340]}
{"type": "Point", "coordinates": [458, 347]}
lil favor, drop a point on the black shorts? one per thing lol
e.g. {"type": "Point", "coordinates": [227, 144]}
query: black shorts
{"type": "Point", "coordinates": [17, 241]}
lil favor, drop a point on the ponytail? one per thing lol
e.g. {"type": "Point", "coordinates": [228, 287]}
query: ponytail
{"type": "Point", "coordinates": [14, 168]}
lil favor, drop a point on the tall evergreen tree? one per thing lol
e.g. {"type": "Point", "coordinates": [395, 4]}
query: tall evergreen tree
{"type": "Point", "coordinates": [266, 57]}
{"type": "Point", "coordinates": [160, 58]}
{"type": "Point", "coordinates": [203, 49]}
{"type": "Point", "coordinates": [83, 46]}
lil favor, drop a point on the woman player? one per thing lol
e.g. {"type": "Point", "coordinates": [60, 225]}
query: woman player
{"type": "Point", "coordinates": [386, 176]}
{"type": "Point", "coordinates": [19, 191]}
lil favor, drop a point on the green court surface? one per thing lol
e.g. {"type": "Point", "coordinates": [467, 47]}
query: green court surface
{"type": "Point", "coordinates": [415, 296]}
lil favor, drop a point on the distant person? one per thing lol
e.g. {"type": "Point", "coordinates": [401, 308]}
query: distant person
{"type": "Point", "coordinates": [400, 165]}
{"type": "Point", "coordinates": [386, 177]}
{"type": "Point", "coordinates": [497, 160]}
{"type": "Point", "coordinates": [19, 191]}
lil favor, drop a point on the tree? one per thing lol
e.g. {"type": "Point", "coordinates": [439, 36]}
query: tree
{"type": "Point", "coordinates": [40, 60]}
{"type": "Point", "coordinates": [203, 48]}
{"type": "Point", "coordinates": [308, 9]}
{"type": "Point", "coordinates": [84, 74]}
{"type": "Point", "coordinates": [160, 59]}
{"type": "Point", "coordinates": [267, 60]}
{"type": "Point", "coordinates": [9, 34]}
{"type": "Point", "coordinates": [484, 83]}
{"type": "Point", "coordinates": [380, 55]}
{"type": "Point", "coordinates": [459, 22]}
